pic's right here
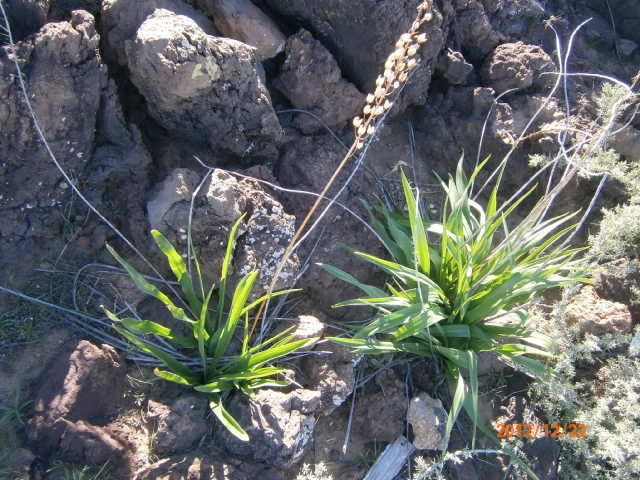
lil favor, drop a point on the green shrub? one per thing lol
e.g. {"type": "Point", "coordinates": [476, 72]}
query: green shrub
{"type": "Point", "coordinates": [212, 332]}
{"type": "Point", "coordinates": [597, 384]}
{"type": "Point", "coordinates": [619, 234]}
{"type": "Point", "coordinates": [449, 298]}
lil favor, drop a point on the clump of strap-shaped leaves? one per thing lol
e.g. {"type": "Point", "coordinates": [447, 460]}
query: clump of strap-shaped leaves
{"type": "Point", "coordinates": [224, 362]}
{"type": "Point", "coordinates": [453, 281]}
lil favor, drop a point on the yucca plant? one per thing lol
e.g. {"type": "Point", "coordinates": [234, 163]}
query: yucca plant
{"type": "Point", "coordinates": [222, 366]}
{"type": "Point", "coordinates": [453, 281]}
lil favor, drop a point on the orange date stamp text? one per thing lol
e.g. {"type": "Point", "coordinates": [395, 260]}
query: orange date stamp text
{"type": "Point", "coordinates": [547, 430]}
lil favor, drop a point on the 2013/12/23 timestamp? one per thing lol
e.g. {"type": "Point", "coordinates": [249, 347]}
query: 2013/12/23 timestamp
{"type": "Point", "coordinates": [549, 430]}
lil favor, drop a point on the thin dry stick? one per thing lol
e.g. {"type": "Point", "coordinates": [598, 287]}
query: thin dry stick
{"type": "Point", "coordinates": [396, 72]}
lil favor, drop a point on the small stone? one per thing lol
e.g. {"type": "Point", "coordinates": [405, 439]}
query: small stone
{"type": "Point", "coordinates": [516, 65]}
{"type": "Point", "coordinates": [309, 326]}
{"type": "Point", "coordinates": [428, 420]}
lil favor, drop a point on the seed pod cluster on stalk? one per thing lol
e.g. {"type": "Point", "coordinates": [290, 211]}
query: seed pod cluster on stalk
{"type": "Point", "coordinates": [396, 72]}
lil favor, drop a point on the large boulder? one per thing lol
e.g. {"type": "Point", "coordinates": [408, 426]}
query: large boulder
{"type": "Point", "coordinates": [280, 425]}
{"type": "Point", "coordinates": [312, 80]}
{"type": "Point", "coordinates": [201, 87]}
{"type": "Point", "coordinates": [64, 75]}
{"type": "Point", "coordinates": [122, 18]}
{"type": "Point", "coordinates": [77, 394]}
{"type": "Point", "coordinates": [263, 236]}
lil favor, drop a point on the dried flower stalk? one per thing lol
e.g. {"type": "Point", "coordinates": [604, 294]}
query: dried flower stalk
{"type": "Point", "coordinates": [396, 72]}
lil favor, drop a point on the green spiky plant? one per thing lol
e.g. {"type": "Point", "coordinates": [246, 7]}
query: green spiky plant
{"type": "Point", "coordinates": [212, 332]}
{"type": "Point", "coordinates": [449, 297]}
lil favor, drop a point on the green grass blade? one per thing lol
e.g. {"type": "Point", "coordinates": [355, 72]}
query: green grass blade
{"type": "Point", "coordinates": [222, 339]}
{"type": "Point", "coordinates": [146, 327]}
{"type": "Point", "coordinates": [345, 277]}
{"type": "Point", "coordinates": [226, 264]}
{"type": "Point", "coordinates": [171, 377]}
{"type": "Point", "coordinates": [201, 333]}
{"type": "Point", "coordinates": [227, 419]}
{"type": "Point", "coordinates": [255, 384]}
{"type": "Point", "coordinates": [179, 269]}
{"type": "Point", "coordinates": [171, 363]}
{"type": "Point", "coordinates": [418, 232]}
{"type": "Point", "coordinates": [473, 380]}
{"type": "Point", "coordinates": [277, 351]}
{"type": "Point", "coordinates": [216, 386]}
{"type": "Point", "coordinates": [458, 400]}
{"type": "Point", "coordinates": [150, 289]}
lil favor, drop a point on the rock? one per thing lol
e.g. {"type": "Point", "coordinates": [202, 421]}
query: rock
{"type": "Point", "coordinates": [64, 75]}
{"type": "Point", "coordinates": [619, 281]}
{"type": "Point", "coordinates": [516, 65]}
{"type": "Point", "coordinates": [306, 327]}
{"type": "Point", "coordinates": [333, 375]}
{"type": "Point", "coordinates": [203, 88]}
{"type": "Point", "coordinates": [180, 426]}
{"type": "Point", "coordinates": [84, 385]}
{"type": "Point", "coordinates": [390, 404]}
{"type": "Point", "coordinates": [202, 466]}
{"type": "Point", "coordinates": [122, 18]}
{"type": "Point", "coordinates": [454, 67]}
{"type": "Point", "coordinates": [177, 187]}
{"type": "Point", "coordinates": [77, 393]}
{"type": "Point", "coordinates": [243, 21]}
{"type": "Point", "coordinates": [428, 420]}
{"type": "Point", "coordinates": [362, 33]}
{"type": "Point", "coordinates": [118, 171]}
{"type": "Point", "coordinates": [84, 443]}
{"type": "Point", "coordinates": [25, 17]}
{"type": "Point", "coordinates": [280, 425]}
{"type": "Point", "coordinates": [597, 316]}
{"type": "Point", "coordinates": [473, 31]}
{"type": "Point", "coordinates": [312, 80]}
{"type": "Point", "coordinates": [264, 235]}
